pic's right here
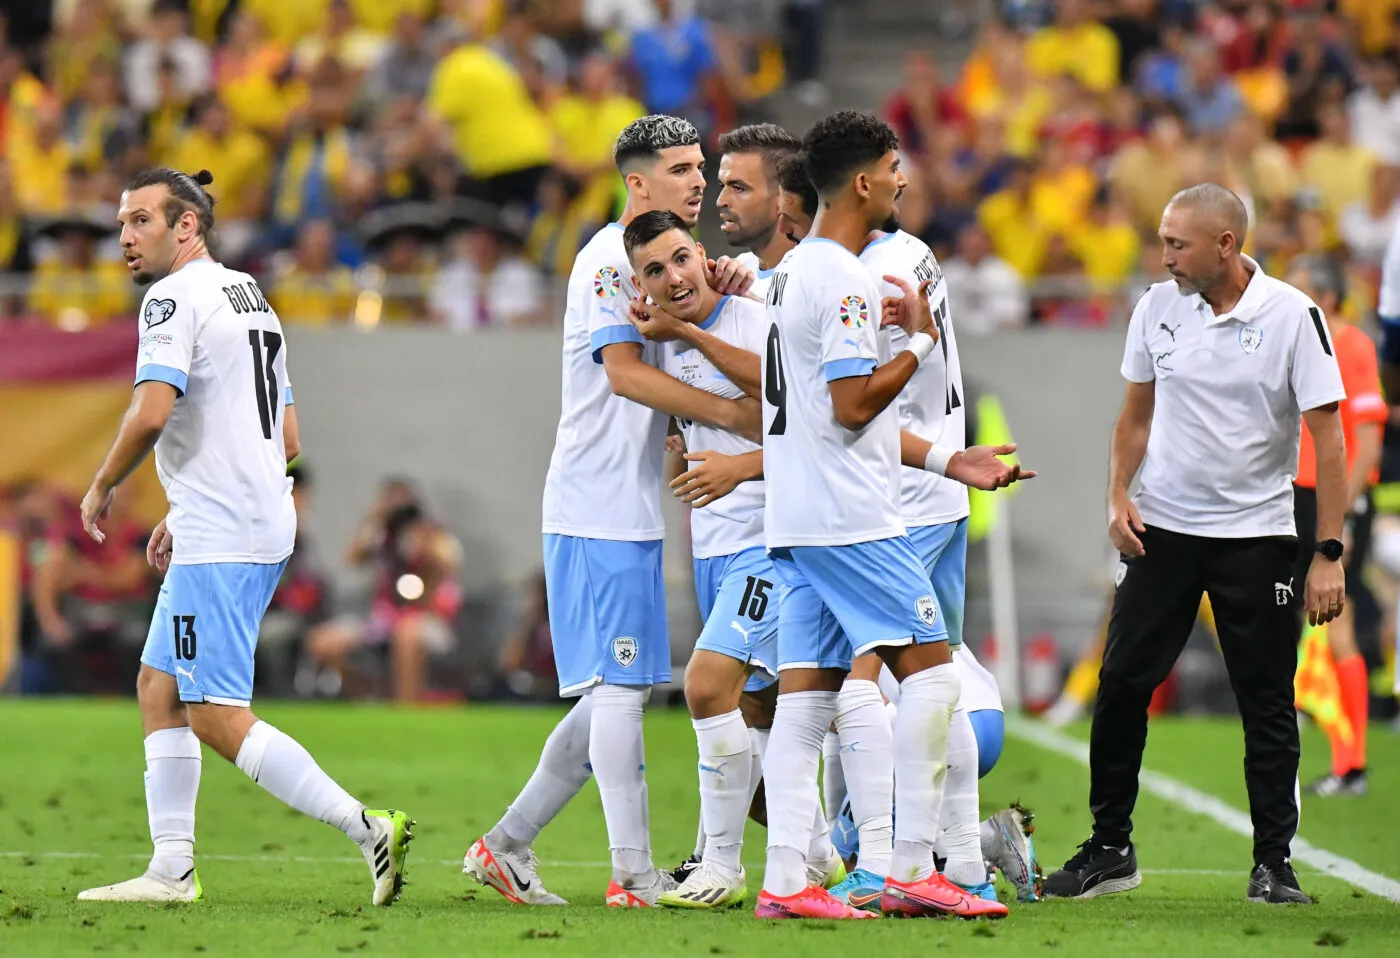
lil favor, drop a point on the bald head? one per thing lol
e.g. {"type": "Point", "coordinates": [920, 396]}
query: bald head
{"type": "Point", "coordinates": [1203, 229]}
{"type": "Point", "coordinates": [1216, 208]}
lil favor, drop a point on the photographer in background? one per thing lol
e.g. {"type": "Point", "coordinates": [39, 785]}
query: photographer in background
{"type": "Point", "coordinates": [416, 565]}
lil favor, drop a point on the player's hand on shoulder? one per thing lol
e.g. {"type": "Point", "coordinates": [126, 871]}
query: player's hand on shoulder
{"type": "Point", "coordinates": [911, 310]}
{"type": "Point", "coordinates": [160, 548]}
{"type": "Point", "coordinates": [729, 277]}
{"type": "Point", "coordinates": [654, 323]}
{"type": "Point", "coordinates": [980, 468]}
{"type": "Point", "coordinates": [712, 475]}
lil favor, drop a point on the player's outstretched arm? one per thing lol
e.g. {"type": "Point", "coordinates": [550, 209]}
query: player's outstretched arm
{"type": "Point", "coordinates": [739, 365]}
{"type": "Point", "coordinates": [145, 419]}
{"type": "Point", "coordinates": [978, 466]}
{"type": "Point", "coordinates": [715, 475]}
{"type": "Point", "coordinates": [634, 379]}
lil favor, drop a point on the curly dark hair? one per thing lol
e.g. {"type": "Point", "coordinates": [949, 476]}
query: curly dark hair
{"type": "Point", "coordinates": [838, 145]}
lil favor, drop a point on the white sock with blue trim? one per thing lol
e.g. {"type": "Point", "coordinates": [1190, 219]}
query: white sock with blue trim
{"type": "Point", "coordinates": [921, 730]}
{"type": "Point", "coordinates": [616, 749]}
{"type": "Point", "coordinates": [867, 758]}
{"type": "Point", "coordinates": [725, 769]}
{"type": "Point", "coordinates": [563, 769]}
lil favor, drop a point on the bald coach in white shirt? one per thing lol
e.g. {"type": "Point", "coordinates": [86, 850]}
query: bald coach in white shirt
{"type": "Point", "coordinates": [1221, 363]}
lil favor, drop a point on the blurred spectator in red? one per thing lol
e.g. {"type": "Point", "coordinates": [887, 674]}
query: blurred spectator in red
{"type": "Point", "coordinates": [417, 596]}
{"type": "Point", "coordinates": [167, 38]}
{"type": "Point", "coordinates": [1366, 226]}
{"type": "Point", "coordinates": [1248, 33]}
{"type": "Point", "coordinates": [299, 604]}
{"type": "Point", "coordinates": [985, 293]}
{"type": "Point", "coordinates": [1209, 98]}
{"type": "Point", "coordinates": [1374, 109]}
{"type": "Point", "coordinates": [94, 599]}
{"type": "Point", "coordinates": [486, 283]}
{"type": "Point", "coordinates": [922, 105]}
{"type": "Point", "coordinates": [526, 659]}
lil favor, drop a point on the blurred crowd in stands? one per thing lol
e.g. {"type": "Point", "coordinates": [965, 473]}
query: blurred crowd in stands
{"type": "Point", "coordinates": [85, 608]}
{"type": "Point", "coordinates": [375, 161]}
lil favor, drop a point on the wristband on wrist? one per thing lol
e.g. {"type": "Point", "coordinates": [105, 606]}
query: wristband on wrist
{"type": "Point", "coordinates": [938, 457]}
{"type": "Point", "coordinates": [921, 345]}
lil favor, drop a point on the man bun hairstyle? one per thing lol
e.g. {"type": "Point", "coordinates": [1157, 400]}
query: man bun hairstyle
{"type": "Point", "coordinates": [187, 194]}
{"type": "Point", "coordinates": [642, 141]}
{"type": "Point", "coordinates": [793, 178]}
{"type": "Point", "coordinates": [842, 143]}
{"type": "Point", "coordinates": [649, 226]}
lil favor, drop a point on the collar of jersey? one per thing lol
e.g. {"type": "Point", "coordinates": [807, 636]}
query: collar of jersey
{"type": "Point", "coordinates": [1250, 300]}
{"type": "Point", "coordinates": [618, 225]}
{"type": "Point", "coordinates": [711, 319]}
{"type": "Point", "coordinates": [883, 239]}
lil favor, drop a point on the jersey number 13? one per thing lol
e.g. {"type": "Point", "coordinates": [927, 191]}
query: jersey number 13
{"type": "Point", "coordinates": [265, 346]}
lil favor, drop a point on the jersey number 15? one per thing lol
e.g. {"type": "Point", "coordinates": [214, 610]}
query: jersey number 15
{"type": "Point", "coordinates": [265, 375]}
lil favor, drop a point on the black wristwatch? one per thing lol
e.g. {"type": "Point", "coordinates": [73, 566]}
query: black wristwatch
{"type": "Point", "coordinates": [1330, 549]}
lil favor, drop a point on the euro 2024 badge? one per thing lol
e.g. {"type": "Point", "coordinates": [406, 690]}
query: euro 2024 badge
{"type": "Point", "coordinates": [607, 283]}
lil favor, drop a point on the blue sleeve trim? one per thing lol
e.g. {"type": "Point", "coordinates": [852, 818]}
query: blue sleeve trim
{"type": "Point", "coordinates": [847, 368]}
{"type": "Point", "coordinates": [153, 372]}
{"type": "Point", "coordinates": [287, 399]}
{"type": "Point", "coordinates": [609, 335]}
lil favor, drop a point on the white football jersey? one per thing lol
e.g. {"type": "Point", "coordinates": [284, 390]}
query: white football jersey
{"type": "Point", "coordinates": [735, 522]}
{"type": "Point", "coordinates": [763, 278]}
{"type": "Point", "coordinates": [826, 485]}
{"type": "Point", "coordinates": [931, 406]}
{"type": "Point", "coordinates": [209, 332]}
{"type": "Point", "coordinates": [604, 478]}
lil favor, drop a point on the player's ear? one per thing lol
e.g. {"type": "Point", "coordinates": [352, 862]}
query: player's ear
{"type": "Point", "coordinates": [635, 181]}
{"type": "Point", "coordinates": [700, 247]}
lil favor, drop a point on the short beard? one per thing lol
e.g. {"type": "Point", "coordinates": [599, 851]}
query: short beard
{"type": "Point", "coordinates": [891, 224]}
{"type": "Point", "coordinates": [144, 277]}
{"type": "Point", "coordinates": [754, 239]}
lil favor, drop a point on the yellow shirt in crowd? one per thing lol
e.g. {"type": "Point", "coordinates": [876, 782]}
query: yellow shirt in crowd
{"type": "Point", "coordinates": [1017, 236]}
{"type": "Point", "coordinates": [1340, 174]}
{"type": "Point", "coordinates": [496, 127]}
{"type": "Point", "coordinates": [314, 299]}
{"type": "Point", "coordinates": [1088, 52]}
{"type": "Point", "coordinates": [73, 297]}
{"type": "Point", "coordinates": [39, 177]}
{"type": "Point", "coordinates": [240, 165]}
{"type": "Point", "coordinates": [587, 131]}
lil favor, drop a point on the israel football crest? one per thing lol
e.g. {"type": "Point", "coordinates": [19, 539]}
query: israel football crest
{"type": "Point", "coordinates": [927, 609]}
{"type": "Point", "coordinates": [1250, 338]}
{"type": "Point", "coordinates": [624, 650]}
{"type": "Point", "coordinates": [1120, 574]}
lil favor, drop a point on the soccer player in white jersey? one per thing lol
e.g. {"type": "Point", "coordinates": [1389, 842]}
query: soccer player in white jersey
{"type": "Point", "coordinates": [748, 196]}
{"type": "Point", "coordinates": [832, 455]}
{"type": "Point", "coordinates": [734, 579]}
{"type": "Point", "coordinates": [935, 510]}
{"type": "Point", "coordinates": [213, 399]}
{"type": "Point", "coordinates": [603, 531]}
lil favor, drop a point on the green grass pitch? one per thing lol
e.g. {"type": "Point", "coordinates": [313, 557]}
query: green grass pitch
{"type": "Point", "coordinates": [72, 815]}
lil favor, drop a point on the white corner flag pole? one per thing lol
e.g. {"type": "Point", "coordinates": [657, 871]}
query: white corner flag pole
{"type": "Point", "coordinates": [1002, 577]}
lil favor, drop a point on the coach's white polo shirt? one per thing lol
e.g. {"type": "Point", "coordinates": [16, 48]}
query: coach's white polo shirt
{"type": "Point", "coordinates": [1230, 391]}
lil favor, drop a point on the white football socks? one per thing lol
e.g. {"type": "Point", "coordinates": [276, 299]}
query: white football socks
{"type": "Point", "coordinates": [758, 744]}
{"type": "Point", "coordinates": [926, 704]}
{"type": "Point", "coordinates": [618, 757]}
{"type": "Point", "coordinates": [790, 778]}
{"type": "Point", "coordinates": [959, 838]}
{"type": "Point", "coordinates": [173, 764]}
{"type": "Point", "coordinates": [278, 763]}
{"type": "Point", "coordinates": [563, 769]}
{"type": "Point", "coordinates": [867, 756]}
{"type": "Point", "coordinates": [726, 767]}
{"type": "Point", "coordinates": [833, 777]}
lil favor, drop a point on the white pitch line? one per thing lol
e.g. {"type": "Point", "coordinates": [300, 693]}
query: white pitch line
{"type": "Point", "coordinates": [454, 862]}
{"type": "Point", "coordinates": [1226, 816]}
